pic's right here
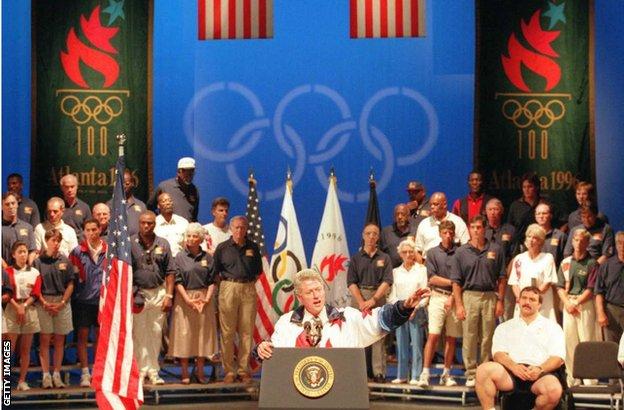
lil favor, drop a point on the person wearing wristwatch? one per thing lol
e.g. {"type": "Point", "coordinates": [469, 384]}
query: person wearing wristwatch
{"type": "Point", "coordinates": [529, 353]}
{"type": "Point", "coordinates": [20, 314]}
{"type": "Point", "coordinates": [153, 275]}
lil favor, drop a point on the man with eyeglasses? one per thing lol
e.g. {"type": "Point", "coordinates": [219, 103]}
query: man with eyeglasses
{"type": "Point", "coordinates": [153, 277]}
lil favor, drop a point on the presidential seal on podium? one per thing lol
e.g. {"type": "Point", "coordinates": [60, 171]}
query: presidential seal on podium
{"type": "Point", "coordinates": [313, 376]}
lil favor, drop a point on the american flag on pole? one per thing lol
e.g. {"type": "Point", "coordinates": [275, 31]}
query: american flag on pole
{"type": "Point", "coordinates": [235, 19]}
{"type": "Point", "coordinates": [387, 18]}
{"type": "Point", "coordinates": [115, 372]}
{"type": "Point", "coordinates": [265, 317]}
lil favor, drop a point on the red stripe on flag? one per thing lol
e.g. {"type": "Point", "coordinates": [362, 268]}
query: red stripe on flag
{"type": "Point", "coordinates": [105, 319]}
{"type": "Point", "coordinates": [414, 18]}
{"type": "Point", "coordinates": [353, 18]}
{"type": "Point", "coordinates": [216, 19]}
{"type": "Point", "coordinates": [368, 18]}
{"type": "Point", "coordinates": [201, 12]}
{"type": "Point", "coordinates": [121, 338]}
{"type": "Point", "coordinates": [266, 322]}
{"type": "Point", "coordinates": [399, 18]}
{"type": "Point", "coordinates": [247, 18]}
{"type": "Point", "coordinates": [265, 286]}
{"type": "Point", "coordinates": [383, 16]}
{"type": "Point", "coordinates": [232, 19]}
{"type": "Point", "coordinates": [262, 18]}
{"type": "Point", "coordinates": [289, 302]}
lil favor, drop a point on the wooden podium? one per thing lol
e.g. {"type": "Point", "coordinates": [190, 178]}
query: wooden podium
{"type": "Point", "coordinates": [314, 378]}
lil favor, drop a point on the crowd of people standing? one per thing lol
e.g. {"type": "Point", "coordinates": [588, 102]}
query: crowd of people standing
{"type": "Point", "coordinates": [194, 285]}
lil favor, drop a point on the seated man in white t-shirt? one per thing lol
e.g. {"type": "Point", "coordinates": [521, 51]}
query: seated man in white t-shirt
{"type": "Point", "coordinates": [527, 350]}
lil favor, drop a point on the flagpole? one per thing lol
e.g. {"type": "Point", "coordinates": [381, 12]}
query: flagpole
{"type": "Point", "coordinates": [121, 141]}
{"type": "Point", "coordinates": [289, 184]}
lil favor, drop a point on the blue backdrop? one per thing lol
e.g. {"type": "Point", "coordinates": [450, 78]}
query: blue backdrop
{"type": "Point", "coordinates": [311, 98]}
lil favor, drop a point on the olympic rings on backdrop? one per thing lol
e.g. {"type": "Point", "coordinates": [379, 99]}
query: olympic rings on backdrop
{"type": "Point", "coordinates": [91, 108]}
{"type": "Point", "coordinates": [533, 111]}
{"type": "Point", "coordinates": [247, 137]}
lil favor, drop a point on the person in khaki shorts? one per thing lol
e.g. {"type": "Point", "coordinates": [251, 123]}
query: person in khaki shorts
{"type": "Point", "coordinates": [238, 263]}
{"type": "Point", "coordinates": [54, 309]}
{"type": "Point", "coordinates": [479, 280]}
{"type": "Point", "coordinates": [21, 315]}
{"type": "Point", "coordinates": [441, 312]}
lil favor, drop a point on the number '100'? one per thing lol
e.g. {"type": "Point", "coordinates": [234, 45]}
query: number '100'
{"type": "Point", "coordinates": [528, 146]}
{"type": "Point", "coordinates": [90, 141]}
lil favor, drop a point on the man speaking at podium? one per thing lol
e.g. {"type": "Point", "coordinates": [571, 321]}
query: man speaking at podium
{"type": "Point", "coordinates": [315, 324]}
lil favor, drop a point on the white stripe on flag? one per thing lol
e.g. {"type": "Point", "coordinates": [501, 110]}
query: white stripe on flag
{"type": "Point", "coordinates": [128, 351]}
{"type": "Point", "coordinates": [236, 22]}
{"type": "Point", "coordinates": [391, 18]}
{"type": "Point", "coordinates": [387, 17]}
{"type": "Point", "coordinates": [255, 27]}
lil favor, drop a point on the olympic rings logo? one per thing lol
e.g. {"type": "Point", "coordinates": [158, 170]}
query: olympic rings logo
{"type": "Point", "coordinates": [290, 141]}
{"type": "Point", "coordinates": [533, 111]}
{"type": "Point", "coordinates": [91, 108]}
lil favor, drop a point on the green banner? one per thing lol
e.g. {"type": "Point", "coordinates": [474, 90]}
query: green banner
{"type": "Point", "coordinates": [533, 96]}
{"type": "Point", "coordinates": [91, 78]}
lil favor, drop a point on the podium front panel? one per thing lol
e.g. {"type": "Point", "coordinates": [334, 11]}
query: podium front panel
{"type": "Point", "coordinates": [349, 388]}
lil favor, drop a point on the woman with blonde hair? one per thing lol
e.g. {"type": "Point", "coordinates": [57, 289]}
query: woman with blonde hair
{"type": "Point", "coordinates": [194, 328]}
{"type": "Point", "coordinates": [534, 268]}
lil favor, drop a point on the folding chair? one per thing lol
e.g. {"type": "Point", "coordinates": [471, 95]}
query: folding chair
{"type": "Point", "coordinates": [598, 360]}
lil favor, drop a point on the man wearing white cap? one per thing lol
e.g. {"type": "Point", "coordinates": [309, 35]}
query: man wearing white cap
{"type": "Point", "coordinates": [183, 192]}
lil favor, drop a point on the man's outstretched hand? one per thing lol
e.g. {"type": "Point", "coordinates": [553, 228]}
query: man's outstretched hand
{"type": "Point", "coordinates": [415, 298]}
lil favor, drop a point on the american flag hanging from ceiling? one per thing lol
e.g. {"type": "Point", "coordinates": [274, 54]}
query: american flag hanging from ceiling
{"type": "Point", "coordinates": [235, 19]}
{"type": "Point", "coordinates": [387, 18]}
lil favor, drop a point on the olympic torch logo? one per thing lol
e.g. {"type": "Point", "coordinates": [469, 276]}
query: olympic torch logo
{"type": "Point", "coordinates": [93, 105]}
{"type": "Point", "coordinates": [533, 109]}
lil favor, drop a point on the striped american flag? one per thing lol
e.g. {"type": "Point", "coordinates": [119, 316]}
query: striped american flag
{"type": "Point", "coordinates": [265, 317]}
{"type": "Point", "coordinates": [235, 19]}
{"type": "Point", "coordinates": [387, 18]}
{"type": "Point", "coordinates": [115, 372]}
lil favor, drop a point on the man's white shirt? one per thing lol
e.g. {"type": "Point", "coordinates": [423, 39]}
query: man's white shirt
{"type": "Point", "coordinates": [531, 343]}
{"type": "Point", "coordinates": [173, 231]}
{"type": "Point", "coordinates": [428, 232]}
{"type": "Point", "coordinates": [69, 242]}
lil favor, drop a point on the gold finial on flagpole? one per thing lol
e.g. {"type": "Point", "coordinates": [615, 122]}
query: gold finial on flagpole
{"type": "Point", "coordinates": [251, 179]}
{"type": "Point", "coordinates": [289, 183]}
{"type": "Point", "coordinates": [121, 141]}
